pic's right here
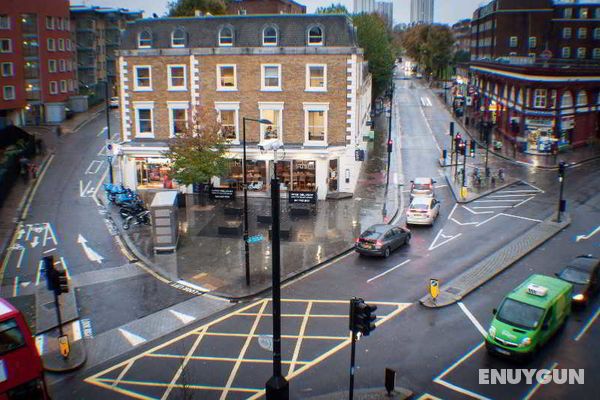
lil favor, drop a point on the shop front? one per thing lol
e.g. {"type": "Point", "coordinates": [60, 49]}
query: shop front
{"type": "Point", "coordinates": [153, 173]}
{"type": "Point", "coordinates": [567, 127]}
{"type": "Point", "coordinates": [539, 134]}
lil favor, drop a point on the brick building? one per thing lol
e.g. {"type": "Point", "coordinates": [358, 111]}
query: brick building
{"type": "Point", "coordinates": [462, 35]}
{"type": "Point", "coordinates": [304, 73]}
{"type": "Point", "coordinates": [248, 7]}
{"type": "Point", "coordinates": [36, 61]}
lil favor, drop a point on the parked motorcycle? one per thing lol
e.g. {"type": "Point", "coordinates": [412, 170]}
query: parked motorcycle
{"type": "Point", "coordinates": [131, 208]}
{"type": "Point", "coordinates": [141, 217]}
{"type": "Point", "coordinates": [126, 197]}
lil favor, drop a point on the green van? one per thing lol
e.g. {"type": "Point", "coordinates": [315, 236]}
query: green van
{"type": "Point", "coordinates": [529, 316]}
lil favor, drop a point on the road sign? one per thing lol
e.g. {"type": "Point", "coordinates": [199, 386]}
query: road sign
{"type": "Point", "coordinates": [255, 238]}
{"type": "Point", "coordinates": [546, 55]}
{"type": "Point", "coordinates": [63, 345]}
{"type": "Point", "coordinates": [434, 288]}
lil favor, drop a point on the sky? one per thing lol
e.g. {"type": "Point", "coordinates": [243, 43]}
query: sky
{"type": "Point", "coordinates": [446, 11]}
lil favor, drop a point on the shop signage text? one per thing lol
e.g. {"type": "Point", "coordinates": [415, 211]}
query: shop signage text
{"type": "Point", "coordinates": [222, 193]}
{"type": "Point", "coordinates": [302, 197]}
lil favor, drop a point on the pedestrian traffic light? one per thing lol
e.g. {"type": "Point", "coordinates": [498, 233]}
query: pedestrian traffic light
{"type": "Point", "coordinates": [562, 167]}
{"type": "Point", "coordinates": [362, 317]}
{"type": "Point", "coordinates": [472, 148]}
{"type": "Point", "coordinates": [390, 144]}
{"type": "Point", "coordinates": [62, 282]}
{"type": "Point", "coordinates": [451, 129]}
{"type": "Point", "coordinates": [457, 140]}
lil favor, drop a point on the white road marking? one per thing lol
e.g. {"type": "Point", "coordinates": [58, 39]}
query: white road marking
{"type": "Point", "coordinates": [440, 186]}
{"type": "Point", "coordinates": [197, 287]}
{"type": "Point", "coordinates": [473, 319]}
{"type": "Point", "coordinates": [493, 201]}
{"type": "Point", "coordinates": [40, 344]}
{"type": "Point", "coordinates": [35, 188]}
{"type": "Point", "coordinates": [132, 338]}
{"type": "Point", "coordinates": [484, 207]}
{"type": "Point", "coordinates": [26, 283]}
{"type": "Point", "coordinates": [64, 264]}
{"type": "Point", "coordinates": [39, 273]}
{"type": "Point", "coordinates": [20, 233]}
{"type": "Point", "coordinates": [477, 212]}
{"type": "Point", "coordinates": [184, 318]}
{"type": "Point", "coordinates": [434, 245]}
{"type": "Point", "coordinates": [15, 292]}
{"type": "Point", "coordinates": [102, 179]}
{"type": "Point", "coordinates": [29, 226]}
{"type": "Point", "coordinates": [508, 195]}
{"type": "Point", "coordinates": [102, 132]}
{"type": "Point", "coordinates": [535, 187]}
{"type": "Point", "coordinates": [430, 130]}
{"type": "Point", "coordinates": [85, 191]}
{"type": "Point", "coordinates": [49, 250]}
{"type": "Point", "coordinates": [463, 223]}
{"type": "Point", "coordinates": [35, 241]}
{"type": "Point", "coordinates": [76, 328]}
{"type": "Point", "coordinates": [20, 259]}
{"type": "Point", "coordinates": [452, 212]}
{"type": "Point", "coordinates": [589, 235]}
{"type": "Point", "coordinates": [520, 217]}
{"type": "Point", "coordinates": [538, 383]}
{"type": "Point", "coordinates": [91, 254]}
{"type": "Point", "coordinates": [388, 271]}
{"type": "Point", "coordinates": [523, 202]}
{"type": "Point", "coordinates": [93, 168]}
{"type": "Point", "coordinates": [458, 389]}
{"type": "Point", "coordinates": [102, 151]}
{"type": "Point", "coordinates": [520, 191]}
{"type": "Point", "coordinates": [588, 325]}
{"type": "Point", "coordinates": [48, 230]}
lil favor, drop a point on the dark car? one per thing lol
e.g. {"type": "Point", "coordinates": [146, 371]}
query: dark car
{"type": "Point", "coordinates": [381, 240]}
{"type": "Point", "coordinates": [583, 273]}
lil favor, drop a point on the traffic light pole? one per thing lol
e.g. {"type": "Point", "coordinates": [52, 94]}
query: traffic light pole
{"type": "Point", "coordinates": [58, 315]}
{"type": "Point", "coordinates": [561, 179]}
{"type": "Point", "coordinates": [464, 169]}
{"type": "Point", "coordinates": [352, 357]}
{"type": "Point", "coordinates": [389, 147]}
{"type": "Point", "coordinates": [107, 108]}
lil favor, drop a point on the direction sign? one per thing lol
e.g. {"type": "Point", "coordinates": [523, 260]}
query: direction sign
{"type": "Point", "coordinates": [434, 288]}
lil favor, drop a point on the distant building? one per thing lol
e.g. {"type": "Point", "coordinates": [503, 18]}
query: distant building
{"type": "Point", "coordinates": [97, 34]}
{"type": "Point", "coordinates": [36, 61]}
{"type": "Point", "coordinates": [364, 6]}
{"type": "Point", "coordinates": [462, 35]}
{"type": "Point", "coordinates": [386, 10]}
{"type": "Point", "coordinates": [421, 12]}
{"type": "Point", "coordinates": [247, 7]}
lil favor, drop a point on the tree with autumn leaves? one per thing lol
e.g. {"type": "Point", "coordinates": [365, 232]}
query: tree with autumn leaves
{"type": "Point", "coordinates": [430, 46]}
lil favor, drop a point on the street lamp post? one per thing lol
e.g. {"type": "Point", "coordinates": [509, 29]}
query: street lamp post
{"type": "Point", "coordinates": [561, 178]}
{"type": "Point", "coordinates": [245, 185]}
{"type": "Point", "coordinates": [389, 142]}
{"type": "Point", "coordinates": [106, 106]}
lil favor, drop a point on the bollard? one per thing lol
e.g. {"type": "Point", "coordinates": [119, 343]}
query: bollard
{"type": "Point", "coordinates": [390, 380]}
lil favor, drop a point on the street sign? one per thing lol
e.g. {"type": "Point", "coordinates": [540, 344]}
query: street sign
{"type": "Point", "coordinates": [546, 55]}
{"type": "Point", "coordinates": [434, 288]}
{"type": "Point", "coordinates": [295, 197]}
{"type": "Point", "coordinates": [255, 238]}
{"type": "Point", "coordinates": [63, 345]}
{"type": "Point", "coordinates": [222, 193]}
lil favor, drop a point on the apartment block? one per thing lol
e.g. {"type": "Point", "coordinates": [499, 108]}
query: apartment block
{"type": "Point", "coordinates": [249, 7]}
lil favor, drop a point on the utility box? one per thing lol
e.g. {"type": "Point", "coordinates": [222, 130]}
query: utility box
{"type": "Point", "coordinates": [165, 227]}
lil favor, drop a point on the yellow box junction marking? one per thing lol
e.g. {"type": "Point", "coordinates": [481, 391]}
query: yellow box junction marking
{"type": "Point", "coordinates": [115, 378]}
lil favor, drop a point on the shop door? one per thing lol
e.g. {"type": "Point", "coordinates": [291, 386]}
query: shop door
{"type": "Point", "coordinates": [333, 175]}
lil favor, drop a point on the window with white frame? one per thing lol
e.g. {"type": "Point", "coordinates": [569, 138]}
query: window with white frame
{"type": "Point", "coordinates": [142, 78]}
{"type": "Point", "coordinates": [315, 122]}
{"type": "Point", "coordinates": [269, 36]}
{"type": "Point", "coordinates": [8, 92]}
{"type": "Point", "coordinates": [178, 38]}
{"type": "Point", "coordinates": [566, 33]}
{"type": "Point", "coordinates": [582, 98]}
{"type": "Point", "coordinates": [8, 69]}
{"type": "Point", "coordinates": [597, 13]}
{"type": "Point", "coordinates": [228, 115]}
{"type": "Point", "coordinates": [178, 119]}
{"type": "Point", "coordinates": [271, 77]}
{"type": "Point", "coordinates": [4, 22]}
{"type": "Point", "coordinates": [53, 86]}
{"type": "Point", "coordinates": [63, 86]}
{"type": "Point", "coordinates": [315, 36]}
{"type": "Point", "coordinates": [59, 23]}
{"type": "Point", "coordinates": [5, 45]}
{"type": "Point", "coordinates": [61, 44]}
{"type": "Point", "coordinates": [581, 51]}
{"type": "Point", "coordinates": [145, 40]}
{"type": "Point", "coordinates": [226, 36]}
{"type": "Point", "coordinates": [539, 98]}
{"type": "Point", "coordinates": [514, 41]}
{"type": "Point", "coordinates": [583, 13]}
{"type": "Point", "coordinates": [596, 53]}
{"type": "Point", "coordinates": [581, 33]}
{"type": "Point", "coordinates": [144, 126]}
{"type": "Point", "coordinates": [62, 66]}
{"type": "Point", "coordinates": [566, 52]}
{"type": "Point", "coordinates": [271, 112]}
{"type": "Point", "coordinates": [226, 77]}
{"type": "Point", "coordinates": [51, 44]}
{"type": "Point", "coordinates": [532, 42]}
{"type": "Point", "coordinates": [316, 77]}
{"type": "Point", "coordinates": [50, 23]}
{"type": "Point", "coordinates": [597, 32]}
{"type": "Point", "coordinates": [176, 77]}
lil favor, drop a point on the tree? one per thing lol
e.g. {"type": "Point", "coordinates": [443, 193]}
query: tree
{"type": "Point", "coordinates": [337, 8]}
{"type": "Point", "coordinates": [430, 46]}
{"type": "Point", "coordinates": [187, 8]}
{"type": "Point", "coordinates": [198, 153]}
{"type": "Point", "coordinates": [374, 38]}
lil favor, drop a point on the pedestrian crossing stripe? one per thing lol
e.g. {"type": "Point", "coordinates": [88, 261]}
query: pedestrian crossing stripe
{"type": "Point", "coordinates": [186, 352]}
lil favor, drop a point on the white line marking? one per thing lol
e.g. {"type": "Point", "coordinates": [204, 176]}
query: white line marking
{"type": "Point", "coordinates": [15, 292]}
{"type": "Point", "coordinates": [102, 179]}
{"type": "Point", "coordinates": [20, 259]}
{"type": "Point", "coordinates": [487, 220]}
{"type": "Point", "coordinates": [76, 326]}
{"type": "Point", "coordinates": [537, 385]}
{"type": "Point", "coordinates": [434, 245]}
{"type": "Point", "coordinates": [457, 363]}
{"type": "Point", "coordinates": [188, 284]}
{"type": "Point", "coordinates": [477, 212]}
{"type": "Point", "coordinates": [102, 132]}
{"type": "Point", "coordinates": [89, 252]}
{"type": "Point", "coordinates": [132, 338]}
{"type": "Point", "coordinates": [523, 202]}
{"type": "Point", "coordinates": [84, 191]}
{"type": "Point", "coordinates": [35, 188]}
{"type": "Point", "coordinates": [463, 223]}
{"type": "Point", "coordinates": [520, 191]}
{"type": "Point", "coordinates": [39, 273]}
{"type": "Point", "coordinates": [49, 250]}
{"type": "Point", "coordinates": [589, 235]}
{"type": "Point", "coordinates": [495, 201]}
{"type": "Point", "coordinates": [460, 390]}
{"type": "Point", "coordinates": [102, 151]}
{"type": "Point", "coordinates": [473, 319]}
{"type": "Point", "coordinates": [484, 207]}
{"type": "Point", "coordinates": [64, 264]}
{"type": "Point", "coordinates": [40, 344]}
{"type": "Point", "coordinates": [452, 212]}
{"type": "Point", "coordinates": [588, 325]}
{"type": "Point", "coordinates": [520, 217]}
{"type": "Point", "coordinates": [388, 271]}
{"type": "Point", "coordinates": [535, 187]}
{"type": "Point", "coordinates": [50, 230]}
{"type": "Point", "coordinates": [509, 195]}
{"type": "Point", "coordinates": [93, 168]}
{"type": "Point", "coordinates": [440, 186]}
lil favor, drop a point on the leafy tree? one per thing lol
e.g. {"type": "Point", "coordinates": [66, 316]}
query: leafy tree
{"type": "Point", "coordinates": [430, 46]}
{"type": "Point", "coordinates": [198, 153]}
{"type": "Point", "coordinates": [187, 8]}
{"type": "Point", "coordinates": [337, 8]}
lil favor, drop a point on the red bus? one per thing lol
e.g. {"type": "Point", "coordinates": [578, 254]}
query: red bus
{"type": "Point", "coordinates": [21, 370]}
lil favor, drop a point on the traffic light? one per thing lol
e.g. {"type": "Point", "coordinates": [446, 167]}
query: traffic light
{"type": "Point", "coordinates": [362, 317]}
{"type": "Point", "coordinates": [562, 167]}
{"type": "Point", "coordinates": [451, 129]}
{"type": "Point", "coordinates": [472, 148]}
{"type": "Point", "coordinates": [390, 145]}
{"type": "Point", "coordinates": [56, 280]}
{"type": "Point", "coordinates": [461, 148]}
{"type": "Point", "coordinates": [62, 282]}
{"type": "Point", "coordinates": [457, 140]}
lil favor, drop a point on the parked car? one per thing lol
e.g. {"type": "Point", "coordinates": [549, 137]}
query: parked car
{"type": "Point", "coordinates": [422, 211]}
{"type": "Point", "coordinates": [114, 102]}
{"type": "Point", "coordinates": [583, 272]}
{"type": "Point", "coordinates": [381, 240]}
{"type": "Point", "coordinates": [422, 187]}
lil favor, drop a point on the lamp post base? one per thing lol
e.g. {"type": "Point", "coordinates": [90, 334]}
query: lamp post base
{"type": "Point", "coordinates": [278, 388]}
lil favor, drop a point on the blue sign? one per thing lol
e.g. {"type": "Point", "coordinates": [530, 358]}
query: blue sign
{"type": "Point", "coordinates": [255, 238]}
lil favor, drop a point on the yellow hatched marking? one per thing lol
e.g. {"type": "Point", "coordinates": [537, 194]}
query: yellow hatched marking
{"type": "Point", "coordinates": [283, 336]}
{"type": "Point", "coordinates": [180, 386]}
{"type": "Point", "coordinates": [243, 352]}
{"type": "Point", "coordinates": [183, 364]}
{"type": "Point", "coordinates": [225, 359]}
{"type": "Point", "coordinates": [122, 374]}
{"type": "Point", "coordinates": [300, 337]}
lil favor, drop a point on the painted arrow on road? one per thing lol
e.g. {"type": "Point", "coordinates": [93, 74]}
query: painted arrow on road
{"type": "Point", "coordinates": [589, 235]}
{"type": "Point", "coordinates": [35, 241]}
{"type": "Point", "coordinates": [91, 254]}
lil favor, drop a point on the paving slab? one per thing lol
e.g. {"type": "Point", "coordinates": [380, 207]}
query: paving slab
{"type": "Point", "coordinates": [46, 311]}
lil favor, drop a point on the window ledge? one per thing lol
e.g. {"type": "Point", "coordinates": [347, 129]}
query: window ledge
{"type": "Point", "coordinates": [268, 89]}
{"type": "Point", "coordinates": [142, 89]}
{"type": "Point", "coordinates": [145, 135]}
{"type": "Point", "coordinates": [315, 144]}
{"type": "Point", "coordinates": [316, 90]}
{"type": "Point", "coordinates": [177, 89]}
{"type": "Point", "coordinates": [220, 89]}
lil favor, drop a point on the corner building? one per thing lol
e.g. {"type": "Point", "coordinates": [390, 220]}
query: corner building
{"type": "Point", "coordinates": [304, 73]}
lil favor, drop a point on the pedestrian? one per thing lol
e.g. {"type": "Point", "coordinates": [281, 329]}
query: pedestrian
{"type": "Point", "coordinates": [58, 131]}
{"type": "Point", "coordinates": [33, 170]}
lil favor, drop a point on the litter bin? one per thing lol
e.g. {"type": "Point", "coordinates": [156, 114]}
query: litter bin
{"type": "Point", "coordinates": [165, 229]}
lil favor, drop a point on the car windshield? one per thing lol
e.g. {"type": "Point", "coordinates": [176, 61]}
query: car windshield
{"type": "Point", "coordinates": [519, 314]}
{"type": "Point", "coordinates": [419, 206]}
{"type": "Point", "coordinates": [370, 234]}
{"type": "Point", "coordinates": [574, 275]}
{"type": "Point", "coordinates": [10, 336]}
{"type": "Point", "coordinates": [422, 186]}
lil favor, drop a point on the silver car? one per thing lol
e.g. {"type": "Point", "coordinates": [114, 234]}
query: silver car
{"type": "Point", "coordinates": [422, 211]}
{"type": "Point", "coordinates": [422, 187]}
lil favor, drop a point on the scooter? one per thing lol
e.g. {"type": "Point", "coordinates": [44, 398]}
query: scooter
{"type": "Point", "coordinates": [142, 217]}
{"type": "Point", "coordinates": [132, 208]}
{"type": "Point", "coordinates": [112, 190]}
{"type": "Point", "coordinates": [126, 197]}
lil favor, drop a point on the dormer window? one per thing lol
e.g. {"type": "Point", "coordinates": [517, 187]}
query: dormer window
{"type": "Point", "coordinates": [178, 38]}
{"type": "Point", "coordinates": [145, 40]}
{"type": "Point", "coordinates": [270, 36]}
{"type": "Point", "coordinates": [226, 37]}
{"type": "Point", "coordinates": [315, 36]}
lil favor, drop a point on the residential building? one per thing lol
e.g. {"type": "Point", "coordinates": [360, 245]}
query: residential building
{"type": "Point", "coordinates": [248, 7]}
{"type": "Point", "coordinates": [304, 73]}
{"type": "Point", "coordinates": [97, 34]}
{"type": "Point", "coordinates": [421, 12]}
{"type": "Point", "coordinates": [462, 35]}
{"type": "Point", "coordinates": [364, 6]}
{"type": "Point", "coordinates": [386, 10]}
{"type": "Point", "coordinates": [36, 61]}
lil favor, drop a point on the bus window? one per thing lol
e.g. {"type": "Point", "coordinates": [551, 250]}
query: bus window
{"type": "Point", "coordinates": [10, 336]}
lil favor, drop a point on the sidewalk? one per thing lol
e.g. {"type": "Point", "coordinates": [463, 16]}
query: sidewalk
{"type": "Point", "coordinates": [208, 261]}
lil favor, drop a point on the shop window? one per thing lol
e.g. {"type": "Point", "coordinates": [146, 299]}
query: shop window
{"type": "Point", "coordinates": [583, 13]}
{"type": "Point", "coordinates": [142, 78]}
{"type": "Point", "coordinates": [5, 45]}
{"type": "Point", "coordinates": [4, 22]}
{"type": "Point", "coordinates": [582, 99]}
{"type": "Point", "coordinates": [176, 77]}
{"type": "Point", "coordinates": [316, 77]}
{"type": "Point", "coordinates": [7, 69]}
{"type": "Point", "coordinates": [256, 175]}
{"type": "Point", "coordinates": [178, 38]}
{"type": "Point", "coordinates": [304, 176]}
{"type": "Point", "coordinates": [568, 13]}
{"type": "Point", "coordinates": [566, 33]}
{"type": "Point", "coordinates": [271, 77]}
{"type": "Point", "coordinates": [272, 131]}
{"type": "Point", "coordinates": [597, 33]}
{"type": "Point", "coordinates": [269, 36]}
{"type": "Point", "coordinates": [226, 36]}
{"type": "Point", "coordinates": [154, 173]}
{"type": "Point", "coordinates": [8, 92]}
{"type": "Point", "coordinates": [145, 40]}
{"type": "Point", "coordinates": [178, 120]}
{"type": "Point", "coordinates": [226, 77]}
{"type": "Point", "coordinates": [581, 33]}
{"type": "Point", "coordinates": [315, 36]}
{"type": "Point", "coordinates": [539, 98]}
{"type": "Point", "coordinates": [566, 52]}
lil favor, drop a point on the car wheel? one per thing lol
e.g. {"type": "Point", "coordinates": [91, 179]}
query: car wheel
{"type": "Point", "coordinates": [386, 252]}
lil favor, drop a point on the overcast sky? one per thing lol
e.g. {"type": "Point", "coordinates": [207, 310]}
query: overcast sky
{"type": "Point", "coordinates": [446, 11]}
